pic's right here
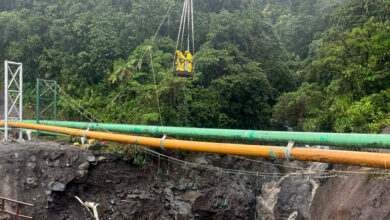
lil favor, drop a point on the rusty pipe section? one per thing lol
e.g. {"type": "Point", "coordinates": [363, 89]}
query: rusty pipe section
{"type": "Point", "coordinates": [366, 159]}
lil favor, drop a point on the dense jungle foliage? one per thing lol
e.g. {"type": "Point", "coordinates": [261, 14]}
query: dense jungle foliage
{"type": "Point", "coordinates": [312, 65]}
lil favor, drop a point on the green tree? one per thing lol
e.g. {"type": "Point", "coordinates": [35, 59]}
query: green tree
{"type": "Point", "coordinates": [296, 110]}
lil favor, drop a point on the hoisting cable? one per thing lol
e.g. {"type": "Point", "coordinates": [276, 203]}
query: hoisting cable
{"type": "Point", "coordinates": [181, 24]}
{"type": "Point", "coordinates": [179, 34]}
{"type": "Point", "coordinates": [186, 25]}
{"type": "Point", "coordinates": [193, 35]}
{"type": "Point", "coordinates": [188, 19]}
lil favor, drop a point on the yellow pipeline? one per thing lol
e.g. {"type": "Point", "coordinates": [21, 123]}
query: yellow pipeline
{"type": "Point", "coordinates": [366, 159]}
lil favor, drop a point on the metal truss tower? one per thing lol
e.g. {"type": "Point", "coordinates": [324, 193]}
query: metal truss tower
{"type": "Point", "coordinates": [13, 95]}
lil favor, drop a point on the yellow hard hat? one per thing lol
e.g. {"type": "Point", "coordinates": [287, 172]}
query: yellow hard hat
{"type": "Point", "coordinates": [187, 51]}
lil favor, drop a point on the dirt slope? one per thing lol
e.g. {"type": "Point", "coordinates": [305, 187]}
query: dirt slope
{"type": "Point", "coordinates": [356, 197]}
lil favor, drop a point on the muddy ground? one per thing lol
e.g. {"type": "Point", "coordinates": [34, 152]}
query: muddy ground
{"type": "Point", "coordinates": [50, 175]}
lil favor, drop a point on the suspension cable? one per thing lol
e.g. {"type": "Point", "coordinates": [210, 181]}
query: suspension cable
{"type": "Point", "coordinates": [219, 169]}
{"type": "Point", "coordinates": [76, 103]}
{"type": "Point", "coordinates": [73, 106]}
{"type": "Point", "coordinates": [303, 168]}
{"type": "Point", "coordinates": [143, 55]}
{"type": "Point", "coordinates": [155, 87]}
{"type": "Point", "coordinates": [162, 22]}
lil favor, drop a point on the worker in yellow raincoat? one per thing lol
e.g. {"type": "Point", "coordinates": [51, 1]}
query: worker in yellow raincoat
{"type": "Point", "coordinates": [189, 61]}
{"type": "Point", "coordinates": [179, 61]}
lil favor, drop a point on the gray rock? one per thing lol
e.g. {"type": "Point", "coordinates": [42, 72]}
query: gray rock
{"type": "Point", "coordinates": [72, 160]}
{"type": "Point", "coordinates": [167, 205]}
{"type": "Point", "coordinates": [295, 196]}
{"type": "Point", "coordinates": [84, 166]}
{"type": "Point", "coordinates": [55, 154]}
{"type": "Point", "coordinates": [48, 196]}
{"type": "Point", "coordinates": [50, 199]}
{"type": "Point", "coordinates": [101, 158]}
{"type": "Point", "coordinates": [121, 195]}
{"type": "Point", "coordinates": [33, 158]}
{"type": "Point", "coordinates": [182, 207]}
{"type": "Point", "coordinates": [31, 165]}
{"type": "Point", "coordinates": [201, 160]}
{"type": "Point", "coordinates": [168, 192]}
{"type": "Point", "coordinates": [91, 159]}
{"type": "Point", "coordinates": [110, 210]}
{"type": "Point", "coordinates": [81, 176]}
{"type": "Point", "coordinates": [45, 155]}
{"type": "Point", "coordinates": [32, 181]}
{"type": "Point", "coordinates": [132, 196]}
{"type": "Point", "coordinates": [56, 186]}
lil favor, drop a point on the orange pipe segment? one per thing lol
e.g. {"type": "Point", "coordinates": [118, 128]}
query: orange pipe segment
{"type": "Point", "coordinates": [367, 159]}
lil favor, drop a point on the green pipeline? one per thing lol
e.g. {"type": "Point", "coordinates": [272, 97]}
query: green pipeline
{"type": "Point", "coordinates": [310, 138]}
